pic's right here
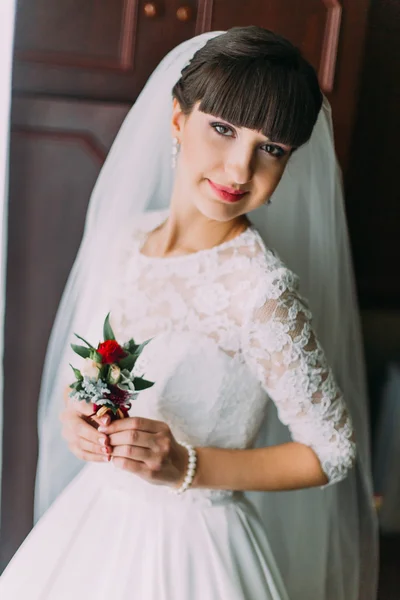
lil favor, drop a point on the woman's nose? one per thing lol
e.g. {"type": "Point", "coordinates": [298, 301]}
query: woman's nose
{"type": "Point", "coordinates": [239, 165]}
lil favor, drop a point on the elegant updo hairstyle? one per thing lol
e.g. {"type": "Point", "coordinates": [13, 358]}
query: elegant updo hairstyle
{"type": "Point", "coordinates": [253, 78]}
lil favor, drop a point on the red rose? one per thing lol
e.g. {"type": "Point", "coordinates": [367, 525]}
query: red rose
{"type": "Point", "coordinates": [111, 352]}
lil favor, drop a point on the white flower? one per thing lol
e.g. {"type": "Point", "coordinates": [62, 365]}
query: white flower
{"type": "Point", "coordinates": [91, 369]}
{"type": "Point", "coordinates": [114, 374]}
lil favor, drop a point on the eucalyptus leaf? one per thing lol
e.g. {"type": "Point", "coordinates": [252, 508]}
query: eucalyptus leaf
{"type": "Point", "coordinates": [107, 329]}
{"type": "Point", "coordinates": [126, 385]}
{"type": "Point", "coordinates": [81, 350]}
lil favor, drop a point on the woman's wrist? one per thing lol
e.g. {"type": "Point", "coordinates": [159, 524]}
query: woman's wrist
{"type": "Point", "coordinates": [187, 468]}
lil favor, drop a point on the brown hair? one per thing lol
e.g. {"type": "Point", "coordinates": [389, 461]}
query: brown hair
{"type": "Point", "coordinates": [253, 78]}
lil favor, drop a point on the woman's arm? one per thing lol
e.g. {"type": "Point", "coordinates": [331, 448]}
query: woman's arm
{"type": "Point", "coordinates": [148, 448]}
{"type": "Point", "coordinates": [287, 466]}
{"type": "Point", "coordinates": [281, 348]}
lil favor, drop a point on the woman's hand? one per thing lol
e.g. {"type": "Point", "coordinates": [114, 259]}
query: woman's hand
{"type": "Point", "coordinates": [148, 449]}
{"type": "Point", "coordinates": [80, 431]}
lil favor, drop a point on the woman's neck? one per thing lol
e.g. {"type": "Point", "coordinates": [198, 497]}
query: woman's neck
{"type": "Point", "coordinates": [189, 231]}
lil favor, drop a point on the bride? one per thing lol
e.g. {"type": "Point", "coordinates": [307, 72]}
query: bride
{"type": "Point", "coordinates": [212, 257]}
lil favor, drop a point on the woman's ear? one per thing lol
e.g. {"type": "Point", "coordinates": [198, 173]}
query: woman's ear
{"type": "Point", "coordinates": [178, 120]}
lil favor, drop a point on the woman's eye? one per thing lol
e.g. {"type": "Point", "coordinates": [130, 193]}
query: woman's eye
{"type": "Point", "coordinates": [222, 129]}
{"type": "Point", "coordinates": [275, 151]}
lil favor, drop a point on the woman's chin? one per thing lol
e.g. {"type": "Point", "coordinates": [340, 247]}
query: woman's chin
{"type": "Point", "coordinates": [216, 210]}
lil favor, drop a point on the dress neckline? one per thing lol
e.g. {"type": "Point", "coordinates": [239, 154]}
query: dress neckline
{"type": "Point", "coordinates": [247, 233]}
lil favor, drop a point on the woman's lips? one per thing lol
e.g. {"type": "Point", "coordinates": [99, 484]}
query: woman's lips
{"type": "Point", "coordinates": [226, 194]}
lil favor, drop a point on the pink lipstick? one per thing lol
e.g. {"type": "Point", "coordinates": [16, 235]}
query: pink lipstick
{"type": "Point", "coordinates": [226, 193]}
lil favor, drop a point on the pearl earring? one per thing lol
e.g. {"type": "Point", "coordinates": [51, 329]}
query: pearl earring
{"type": "Point", "coordinates": [175, 150]}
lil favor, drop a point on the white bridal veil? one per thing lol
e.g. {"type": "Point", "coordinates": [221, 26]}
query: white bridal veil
{"type": "Point", "coordinates": [324, 540]}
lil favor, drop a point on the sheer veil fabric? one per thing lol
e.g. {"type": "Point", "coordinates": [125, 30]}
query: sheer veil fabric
{"type": "Point", "coordinates": [324, 540]}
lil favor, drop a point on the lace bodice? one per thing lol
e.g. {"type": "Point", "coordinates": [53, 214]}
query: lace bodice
{"type": "Point", "coordinates": [230, 333]}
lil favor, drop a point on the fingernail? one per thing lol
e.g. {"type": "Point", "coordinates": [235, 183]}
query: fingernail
{"type": "Point", "coordinates": [106, 458]}
{"type": "Point", "coordinates": [102, 441]}
{"type": "Point", "coordinates": [105, 420]}
{"type": "Point", "coordinates": [102, 429]}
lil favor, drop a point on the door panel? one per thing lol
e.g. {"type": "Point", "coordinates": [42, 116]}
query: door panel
{"type": "Point", "coordinates": [57, 149]}
{"type": "Point", "coordinates": [96, 49]}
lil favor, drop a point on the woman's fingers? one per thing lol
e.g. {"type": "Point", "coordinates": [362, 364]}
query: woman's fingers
{"type": "Point", "coordinates": [75, 426]}
{"type": "Point", "coordinates": [94, 448]}
{"type": "Point", "coordinates": [133, 452]}
{"type": "Point", "coordinates": [87, 455]}
{"type": "Point", "coordinates": [133, 437]}
{"type": "Point", "coordinates": [149, 425]}
{"type": "Point", "coordinates": [85, 409]}
{"type": "Point", "coordinates": [97, 422]}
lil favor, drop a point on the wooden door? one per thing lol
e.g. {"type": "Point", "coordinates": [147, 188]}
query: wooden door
{"type": "Point", "coordinates": [78, 68]}
{"type": "Point", "coordinates": [102, 49]}
{"type": "Point", "coordinates": [57, 149]}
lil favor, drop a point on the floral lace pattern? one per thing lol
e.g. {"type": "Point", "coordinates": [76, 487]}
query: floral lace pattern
{"type": "Point", "coordinates": [230, 331]}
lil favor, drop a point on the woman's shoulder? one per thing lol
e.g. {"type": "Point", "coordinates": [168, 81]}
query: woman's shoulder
{"type": "Point", "coordinates": [266, 264]}
{"type": "Point", "coordinates": [146, 221]}
{"type": "Point", "coordinates": [269, 276]}
{"type": "Point", "coordinates": [138, 225]}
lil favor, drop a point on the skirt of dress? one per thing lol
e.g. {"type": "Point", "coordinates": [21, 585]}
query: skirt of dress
{"type": "Point", "coordinates": [112, 535]}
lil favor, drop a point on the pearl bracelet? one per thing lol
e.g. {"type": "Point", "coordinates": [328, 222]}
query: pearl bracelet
{"type": "Point", "coordinates": [191, 470]}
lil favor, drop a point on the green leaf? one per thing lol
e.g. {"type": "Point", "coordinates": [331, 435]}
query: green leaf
{"type": "Point", "coordinates": [107, 329]}
{"type": "Point", "coordinates": [94, 355]}
{"type": "Point", "coordinates": [76, 385]}
{"type": "Point", "coordinates": [130, 346]}
{"type": "Point", "coordinates": [83, 340]}
{"type": "Point", "coordinates": [77, 373]}
{"type": "Point", "coordinates": [81, 350]}
{"type": "Point", "coordinates": [141, 347]}
{"type": "Point", "coordinates": [128, 362]}
{"type": "Point", "coordinates": [104, 372]}
{"type": "Point", "coordinates": [142, 384]}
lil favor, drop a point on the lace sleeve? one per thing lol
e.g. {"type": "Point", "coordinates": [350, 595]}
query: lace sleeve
{"type": "Point", "coordinates": [281, 348]}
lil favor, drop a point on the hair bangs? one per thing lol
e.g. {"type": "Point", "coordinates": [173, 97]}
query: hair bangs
{"type": "Point", "coordinates": [271, 100]}
{"type": "Point", "coordinates": [253, 78]}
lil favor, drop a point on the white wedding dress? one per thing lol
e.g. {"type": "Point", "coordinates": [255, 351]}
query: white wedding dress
{"type": "Point", "coordinates": [230, 332]}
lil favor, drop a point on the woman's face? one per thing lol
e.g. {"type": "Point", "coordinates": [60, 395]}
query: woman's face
{"type": "Point", "coordinates": [225, 171]}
